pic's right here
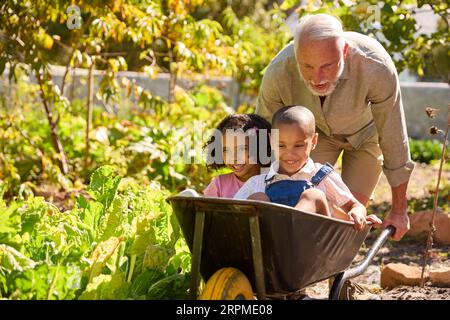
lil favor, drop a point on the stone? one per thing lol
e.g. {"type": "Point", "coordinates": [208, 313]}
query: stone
{"type": "Point", "coordinates": [420, 226]}
{"type": "Point", "coordinates": [397, 274]}
{"type": "Point", "coordinates": [440, 277]}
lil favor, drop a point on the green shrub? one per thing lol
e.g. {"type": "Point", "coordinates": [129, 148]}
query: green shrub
{"type": "Point", "coordinates": [425, 151]}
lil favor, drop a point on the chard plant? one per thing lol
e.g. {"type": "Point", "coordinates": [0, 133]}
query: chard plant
{"type": "Point", "coordinates": [120, 241]}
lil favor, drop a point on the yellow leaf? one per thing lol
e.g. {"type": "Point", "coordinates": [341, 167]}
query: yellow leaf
{"type": "Point", "coordinates": [101, 254]}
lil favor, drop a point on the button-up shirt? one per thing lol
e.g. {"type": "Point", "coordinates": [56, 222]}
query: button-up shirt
{"type": "Point", "coordinates": [366, 101]}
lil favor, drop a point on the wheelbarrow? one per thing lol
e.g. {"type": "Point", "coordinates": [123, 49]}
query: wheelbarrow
{"type": "Point", "coordinates": [244, 244]}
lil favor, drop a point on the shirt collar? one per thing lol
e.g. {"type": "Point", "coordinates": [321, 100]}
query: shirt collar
{"type": "Point", "coordinates": [346, 73]}
{"type": "Point", "coordinates": [309, 169]}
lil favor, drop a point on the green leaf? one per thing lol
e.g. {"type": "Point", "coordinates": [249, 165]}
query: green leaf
{"type": "Point", "coordinates": [105, 287]}
{"type": "Point", "coordinates": [141, 242]}
{"type": "Point", "coordinates": [172, 287]}
{"type": "Point", "coordinates": [112, 224]}
{"type": "Point", "coordinates": [142, 282]}
{"type": "Point", "coordinates": [176, 229]}
{"type": "Point", "coordinates": [103, 185]}
{"type": "Point", "coordinates": [10, 219]}
{"type": "Point", "coordinates": [420, 71]}
{"type": "Point", "coordinates": [288, 4]}
{"type": "Point", "coordinates": [92, 214]}
{"type": "Point", "coordinates": [387, 9]}
{"type": "Point", "coordinates": [44, 283]}
{"type": "Point", "coordinates": [13, 260]}
{"type": "Point", "coordinates": [156, 257]}
{"type": "Point", "coordinates": [101, 254]}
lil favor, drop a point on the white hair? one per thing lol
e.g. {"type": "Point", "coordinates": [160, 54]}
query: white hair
{"type": "Point", "coordinates": [318, 27]}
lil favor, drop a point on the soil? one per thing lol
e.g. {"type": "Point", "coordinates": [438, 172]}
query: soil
{"type": "Point", "coordinates": [417, 293]}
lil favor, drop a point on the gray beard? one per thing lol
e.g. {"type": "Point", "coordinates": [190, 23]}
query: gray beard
{"type": "Point", "coordinates": [332, 86]}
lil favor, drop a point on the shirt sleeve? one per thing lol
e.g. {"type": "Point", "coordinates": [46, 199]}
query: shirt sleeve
{"type": "Point", "coordinates": [253, 185]}
{"type": "Point", "coordinates": [269, 99]}
{"type": "Point", "coordinates": [212, 190]}
{"type": "Point", "coordinates": [389, 118]}
{"type": "Point", "coordinates": [337, 191]}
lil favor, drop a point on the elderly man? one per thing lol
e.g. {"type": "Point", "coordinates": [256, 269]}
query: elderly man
{"type": "Point", "coordinates": [350, 83]}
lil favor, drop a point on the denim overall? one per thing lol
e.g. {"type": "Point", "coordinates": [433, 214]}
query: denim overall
{"type": "Point", "coordinates": [288, 192]}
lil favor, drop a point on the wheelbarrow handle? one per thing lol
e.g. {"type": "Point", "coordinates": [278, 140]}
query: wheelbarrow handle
{"type": "Point", "coordinates": [363, 265]}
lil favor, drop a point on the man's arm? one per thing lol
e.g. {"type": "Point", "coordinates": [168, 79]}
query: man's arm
{"type": "Point", "coordinates": [389, 118]}
{"type": "Point", "coordinates": [269, 99]}
{"type": "Point", "coordinates": [398, 217]}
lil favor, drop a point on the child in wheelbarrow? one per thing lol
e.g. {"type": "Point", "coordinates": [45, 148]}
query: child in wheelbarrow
{"type": "Point", "coordinates": [295, 180]}
{"type": "Point", "coordinates": [240, 143]}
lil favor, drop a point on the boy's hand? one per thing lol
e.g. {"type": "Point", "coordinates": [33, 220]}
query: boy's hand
{"type": "Point", "coordinates": [358, 216]}
{"type": "Point", "coordinates": [352, 211]}
{"type": "Point", "coordinates": [376, 222]}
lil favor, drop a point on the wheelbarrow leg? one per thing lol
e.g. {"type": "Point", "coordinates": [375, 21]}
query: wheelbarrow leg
{"type": "Point", "coordinates": [197, 252]}
{"type": "Point", "coordinates": [362, 266]}
{"type": "Point", "coordinates": [257, 257]}
{"type": "Point", "coordinates": [336, 287]}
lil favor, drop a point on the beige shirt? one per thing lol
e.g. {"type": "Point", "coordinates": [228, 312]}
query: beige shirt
{"type": "Point", "coordinates": [366, 101]}
{"type": "Point", "coordinates": [335, 190]}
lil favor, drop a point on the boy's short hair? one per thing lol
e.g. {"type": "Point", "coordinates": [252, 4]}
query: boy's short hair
{"type": "Point", "coordinates": [295, 114]}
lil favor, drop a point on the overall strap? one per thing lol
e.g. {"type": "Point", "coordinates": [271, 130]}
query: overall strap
{"type": "Point", "coordinates": [322, 173]}
{"type": "Point", "coordinates": [267, 180]}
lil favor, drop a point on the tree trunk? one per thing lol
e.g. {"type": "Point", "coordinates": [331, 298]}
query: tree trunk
{"type": "Point", "coordinates": [72, 87]}
{"type": "Point", "coordinates": [63, 82]}
{"type": "Point", "coordinates": [89, 113]}
{"type": "Point", "coordinates": [53, 128]}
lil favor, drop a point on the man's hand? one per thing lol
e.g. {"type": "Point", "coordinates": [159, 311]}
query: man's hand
{"type": "Point", "coordinates": [400, 220]}
{"type": "Point", "coordinates": [398, 217]}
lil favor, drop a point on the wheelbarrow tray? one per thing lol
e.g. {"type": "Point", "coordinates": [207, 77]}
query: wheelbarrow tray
{"type": "Point", "coordinates": [298, 248]}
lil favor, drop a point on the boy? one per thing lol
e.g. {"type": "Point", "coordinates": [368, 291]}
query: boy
{"type": "Point", "coordinates": [295, 180]}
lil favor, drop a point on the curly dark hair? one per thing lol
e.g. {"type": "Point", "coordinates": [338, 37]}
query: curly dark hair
{"type": "Point", "coordinates": [242, 122]}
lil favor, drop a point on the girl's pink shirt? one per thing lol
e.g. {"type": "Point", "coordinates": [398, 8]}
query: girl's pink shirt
{"type": "Point", "coordinates": [223, 186]}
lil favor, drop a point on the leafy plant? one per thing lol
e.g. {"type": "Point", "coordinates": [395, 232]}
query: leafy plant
{"type": "Point", "coordinates": [425, 151]}
{"type": "Point", "coordinates": [121, 243]}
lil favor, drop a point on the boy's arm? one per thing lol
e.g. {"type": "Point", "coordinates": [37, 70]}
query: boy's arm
{"type": "Point", "coordinates": [345, 205]}
{"type": "Point", "coordinates": [356, 212]}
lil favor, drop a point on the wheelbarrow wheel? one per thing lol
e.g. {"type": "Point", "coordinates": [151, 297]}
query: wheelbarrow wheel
{"type": "Point", "coordinates": [227, 284]}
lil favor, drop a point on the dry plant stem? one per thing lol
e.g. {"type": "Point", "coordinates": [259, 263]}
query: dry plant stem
{"type": "Point", "coordinates": [435, 203]}
{"type": "Point", "coordinates": [89, 114]}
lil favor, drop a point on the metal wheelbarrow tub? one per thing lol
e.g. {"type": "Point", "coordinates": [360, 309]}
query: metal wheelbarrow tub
{"type": "Point", "coordinates": [279, 249]}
